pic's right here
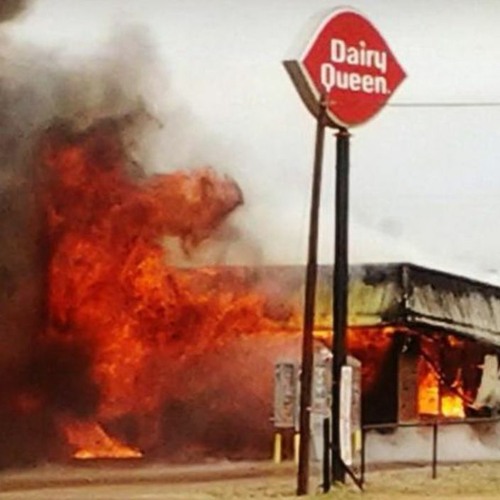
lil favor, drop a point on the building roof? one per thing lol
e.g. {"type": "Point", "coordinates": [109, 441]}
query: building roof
{"type": "Point", "coordinates": [415, 296]}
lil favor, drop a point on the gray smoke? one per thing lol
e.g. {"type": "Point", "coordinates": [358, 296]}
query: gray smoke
{"type": "Point", "coordinates": [456, 443]}
{"type": "Point", "coordinates": [38, 90]}
{"type": "Point", "coordinates": [10, 9]}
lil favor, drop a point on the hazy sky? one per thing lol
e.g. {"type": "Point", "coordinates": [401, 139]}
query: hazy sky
{"type": "Point", "coordinates": [425, 183]}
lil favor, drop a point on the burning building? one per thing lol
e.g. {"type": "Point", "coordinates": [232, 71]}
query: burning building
{"type": "Point", "coordinates": [110, 350]}
{"type": "Point", "coordinates": [107, 349]}
{"type": "Point", "coordinates": [133, 358]}
{"type": "Point", "coordinates": [428, 342]}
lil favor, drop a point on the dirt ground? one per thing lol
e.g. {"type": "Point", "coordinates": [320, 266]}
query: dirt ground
{"type": "Point", "coordinates": [230, 481]}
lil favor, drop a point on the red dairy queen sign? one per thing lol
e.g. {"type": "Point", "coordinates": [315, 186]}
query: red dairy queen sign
{"type": "Point", "coordinates": [345, 59]}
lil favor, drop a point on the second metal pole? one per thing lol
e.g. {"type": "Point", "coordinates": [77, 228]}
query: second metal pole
{"type": "Point", "coordinates": [306, 377]}
{"type": "Point", "coordinates": [340, 293]}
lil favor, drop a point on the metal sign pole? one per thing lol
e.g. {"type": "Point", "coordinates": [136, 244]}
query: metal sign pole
{"type": "Point", "coordinates": [340, 294]}
{"type": "Point", "coordinates": [313, 72]}
{"type": "Point", "coordinates": [309, 308]}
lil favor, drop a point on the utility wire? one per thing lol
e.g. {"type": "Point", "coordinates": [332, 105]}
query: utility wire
{"type": "Point", "coordinates": [492, 104]}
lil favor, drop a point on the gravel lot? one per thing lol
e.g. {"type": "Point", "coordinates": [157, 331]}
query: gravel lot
{"type": "Point", "coordinates": [239, 481]}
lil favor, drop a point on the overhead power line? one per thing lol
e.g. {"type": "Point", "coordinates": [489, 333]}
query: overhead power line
{"type": "Point", "coordinates": [490, 104]}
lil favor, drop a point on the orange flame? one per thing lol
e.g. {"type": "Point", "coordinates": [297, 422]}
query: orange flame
{"type": "Point", "coordinates": [110, 288]}
{"type": "Point", "coordinates": [430, 402]}
{"type": "Point", "coordinates": [371, 346]}
{"type": "Point", "coordinates": [90, 441]}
